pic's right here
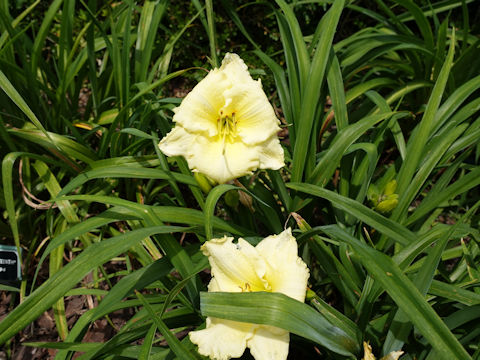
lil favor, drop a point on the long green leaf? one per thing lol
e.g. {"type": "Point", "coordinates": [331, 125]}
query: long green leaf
{"type": "Point", "coordinates": [53, 142]}
{"type": "Point", "coordinates": [462, 185]}
{"type": "Point", "coordinates": [168, 214]}
{"type": "Point", "coordinates": [173, 342]}
{"type": "Point", "coordinates": [361, 212]}
{"type": "Point", "coordinates": [118, 171]}
{"type": "Point", "coordinates": [152, 13]}
{"type": "Point", "coordinates": [43, 33]}
{"type": "Point", "coordinates": [7, 179]}
{"type": "Point", "coordinates": [422, 132]}
{"type": "Point", "coordinates": [278, 310]}
{"type": "Point", "coordinates": [343, 140]}
{"type": "Point", "coordinates": [212, 200]}
{"type": "Point", "coordinates": [337, 93]}
{"type": "Point", "coordinates": [301, 53]}
{"type": "Point", "coordinates": [138, 280]}
{"type": "Point", "coordinates": [405, 295]}
{"type": "Point", "coordinates": [107, 217]}
{"type": "Point", "coordinates": [13, 94]}
{"type": "Point", "coordinates": [312, 89]}
{"type": "Point", "coordinates": [66, 278]}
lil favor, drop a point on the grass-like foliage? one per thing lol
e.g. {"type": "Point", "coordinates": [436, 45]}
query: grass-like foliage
{"type": "Point", "coordinates": [380, 111]}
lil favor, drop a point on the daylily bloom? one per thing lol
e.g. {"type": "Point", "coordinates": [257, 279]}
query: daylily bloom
{"type": "Point", "coordinates": [394, 355]}
{"type": "Point", "coordinates": [272, 266]}
{"type": "Point", "coordinates": [226, 127]}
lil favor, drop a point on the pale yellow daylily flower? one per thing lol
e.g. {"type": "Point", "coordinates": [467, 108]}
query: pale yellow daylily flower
{"type": "Point", "coordinates": [368, 355]}
{"type": "Point", "coordinates": [273, 266]}
{"type": "Point", "coordinates": [226, 127]}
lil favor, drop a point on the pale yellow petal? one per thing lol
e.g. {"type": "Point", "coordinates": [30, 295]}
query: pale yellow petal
{"type": "Point", "coordinates": [367, 352]}
{"type": "Point", "coordinates": [235, 267]}
{"type": "Point", "coordinates": [203, 155]}
{"type": "Point", "coordinates": [286, 272]}
{"type": "Point", "coordinates": [199, 110]}
{"type": "Point", "coordinates": [258, 263]}
{"type": "Point", "coordinates": [177, 142]}
{"type": "Point", "coordinates": [394, 355]}
{"type": "Point", "coordinates": [241, 159]}
{"type": "Point", "coordinates": [256, 119]}
{"type": "Point", "coordinates": [214, 286]}
{"type": "Point", "coordinates": [210, 159]}
{"type": "Point", "coordinates": [270, 154]}
{"type": "Point", "coordinates": [222, 339]}
{"type": "Point", "coordinates": [235, 69]}
{"type": "Point", "coordinates": [269, 343]}
{"type": "Point", "coordinates": [222, 160]}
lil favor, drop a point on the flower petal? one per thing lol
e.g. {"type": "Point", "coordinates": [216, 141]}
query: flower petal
{"type": "Point", "coordinates": [235, 267]}
{"type": "Point", "coordinates": [235, 69]}
{"type": "Point", "coordinates": [286, 272]}
{"type": "Point", "coordinates": [213, 157]}
{"type": "Point", "coordinates": [222, 339]}
{"type": "Point", "coordinates": [367, 350]}
{"type": "Point", "coordinates": [256, 120]}
{"type": "Point", "coordinates": [222, 160]}
{"type": "Point", "coordinates": [217, 143]}
{"type": "Point", "coordinates": [394, 355]}
{"type": "Point", "coordinates": [270, 154]}
{"type": "Point", "coordinates": [269, 343]}
{"type": "Point", "coordinates": [199, 110]}
{"type": "Point", "coordinates": [177, 142]}
{"type": "Point", "coordinates": [241, 159]}
{"type": "Point", "coordinates": [210, 160]}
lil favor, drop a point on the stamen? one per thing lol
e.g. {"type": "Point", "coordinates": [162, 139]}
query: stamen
{"type": "Point", "coordinates": [227, 126]}
{"type": "Point", "coordinates": [246, 287]}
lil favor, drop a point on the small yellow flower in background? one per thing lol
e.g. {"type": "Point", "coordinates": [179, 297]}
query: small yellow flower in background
{"type": "Point", "coordinates": [394, 355]}
{"type": "Point", "coordinates": [226, 127]}
{"type": "Point", "coordinates": [273, 266]}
